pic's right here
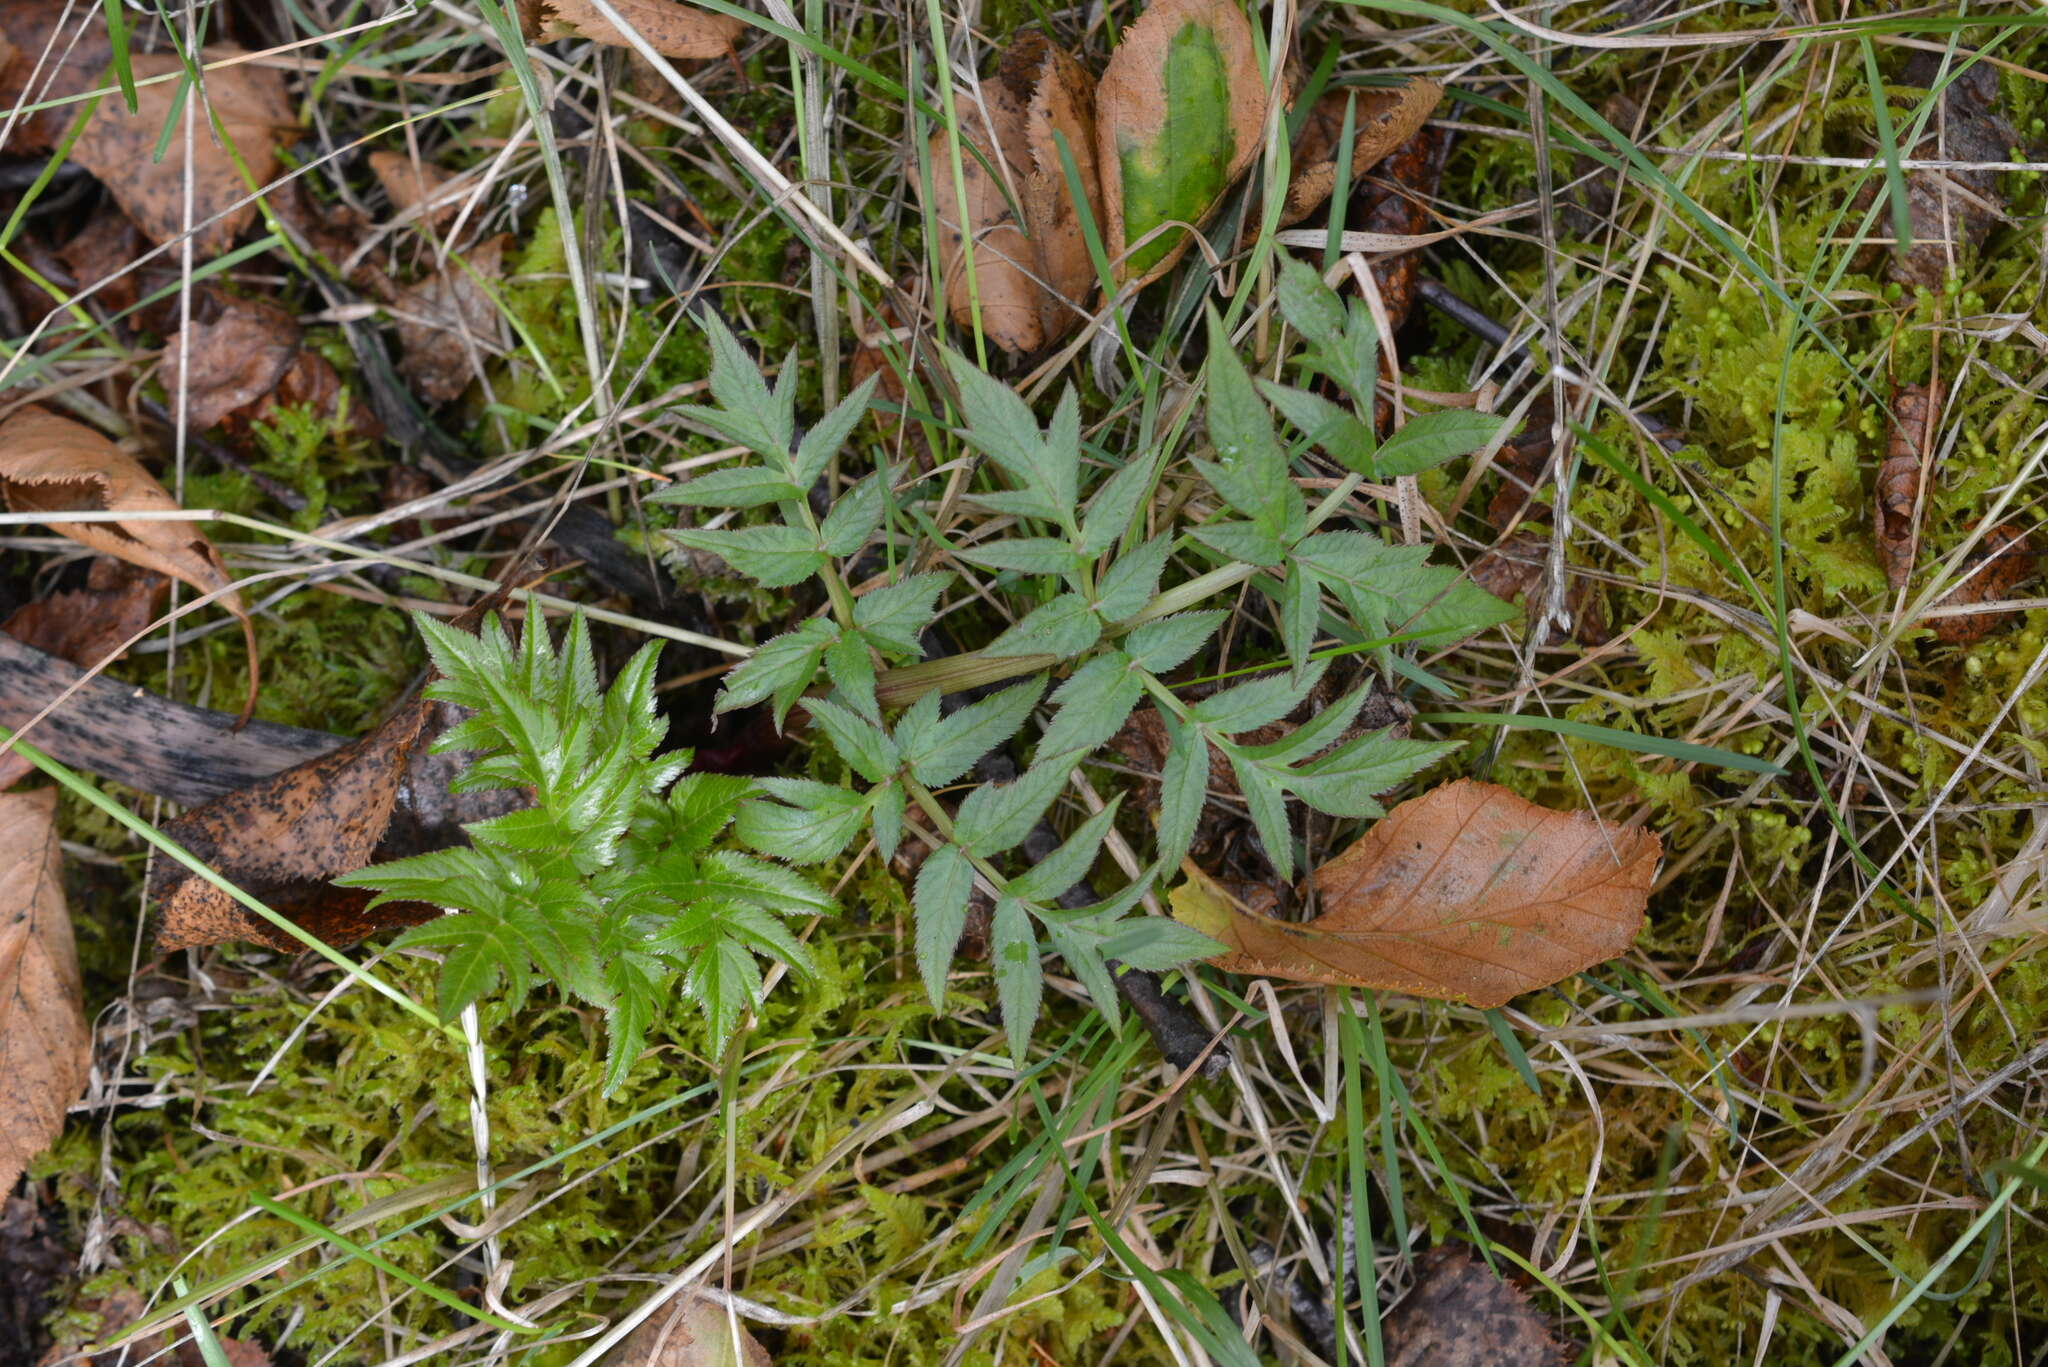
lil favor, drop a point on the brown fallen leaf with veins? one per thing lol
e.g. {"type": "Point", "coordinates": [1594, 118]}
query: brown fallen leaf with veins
{"type": "Point", "coordinates": [671, 29]}
{"type": "Point", "coordinates": [120, 148]}
{"type": "Point", "coordinates": [436, 315]}
{"type": "Point", "coordinates": [1460, 1314]}
{"type": "Point", "coordinates": [50, 465]}
{"type": "Point", "coordinates": [77, 47]}
{"type": "Point", "coordinates": [411, 184]}
{"type": "Point", "coordinates": [1030, 274]}
{"type": "Point", "coordinates": [86, 626]}
{"type": "Point", "coordinates": [45, 1044]}
{"type": "Point", "coordinates": [225, 365]}
{"type": "Point", "coordinates": [1386, 118]}
{"type": "Point", "coordinates": [694, 1331]}
{"type": "Point", "coordinates": [1467, 893]}
{"type": "Point", "coordinates": [2006, 558]}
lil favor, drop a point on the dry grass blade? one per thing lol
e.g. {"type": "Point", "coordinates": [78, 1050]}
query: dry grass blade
{"type": "Point", "coordinates": [45, 1045]}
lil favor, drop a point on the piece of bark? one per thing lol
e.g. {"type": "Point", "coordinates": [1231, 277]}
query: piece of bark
{"type": "Point", "coordinates": [140, 739]}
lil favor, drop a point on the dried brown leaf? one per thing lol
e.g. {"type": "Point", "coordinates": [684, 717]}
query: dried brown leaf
{"type": "Point", "coordinates": [1031, 263]}
{"type": "Point", "coordinates": [694, 1332]}
{"type": "Point", "coordinates": [100, 254]}
{"type": "Point", "coordinates": [415, 185]}
{"type": "Point", "coordinates": [1469, 892]}
{"type": "Point", "coordinates": [440, 318]}
{"type": "Point", "coordinates": [1952, 211]}
{"type": "Point", "coordinates": [120, 149]}
{"type": "Point", "coordinates": [1179, 114]}
{"type": "Point", "coordinates": [51, 465]}
{"type": "Point", "coordinates": [226, 365]}
{"type": "Point", "coordinates": [45, 1044]}
{"type": "Point", "coordinates": [671, 29]}
{"type": "Point", "coordinates": [2006, 558]}
{"type": "Point", "coordinates": [1895, 505]}
{"type": "Point", "coordinates": [1459, 1314]}
{"type": "Point", "coordinates": [60, 49]}
{"type": "Point", "coordinates": [280, 840]}
{"type": "Point", "coordinates": [1386, 118]}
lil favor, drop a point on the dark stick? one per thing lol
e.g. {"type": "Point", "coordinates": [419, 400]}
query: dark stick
{"type": "Point", "coordinates": [140, 739]}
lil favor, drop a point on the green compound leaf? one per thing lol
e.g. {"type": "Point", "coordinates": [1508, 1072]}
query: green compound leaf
{"type": "Point", "coordinates": [1178, 117]}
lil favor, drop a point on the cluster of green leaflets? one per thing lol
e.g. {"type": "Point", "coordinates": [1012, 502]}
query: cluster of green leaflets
{"type": "Point", "coordinates": [609, 884]}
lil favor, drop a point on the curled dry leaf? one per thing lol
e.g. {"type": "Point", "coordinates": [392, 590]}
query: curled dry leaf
{"type": "Point", "coordinates": [120, 148]}
{"type": "Point", "coordinates": [1895, 507]}
{"type": "Point", "coordinates": [1397, 204]}
{"type": "Point", "coordinates": [281, 839]}
{"type": "Point", "coordinates": [1459, 1314]}
{"type": "Point", "coordinates": [2006, 558]}
{"type": "Point", "coordinates": [1030, 273]}
{"type": "Point", "coordinates": [443, 316]}
{"type": "Point", "coordinates": [45, 1045]}
{"type": "Point", "coordinates": [1386, 118]}
{"type": "Point", "coordinates": [1467, 893]}
{"type": "Point", "coordinates": [693, 1332]}
{"type": "Point", "coordinates": [671, 29]}
{"type": "Point", "coordinates": [1178, 116]}
{"type": "Point", "coordinates": [382, 796]}
{"type": "Point", "coordinates": [51, 465]}
{"type": "Point", "coordinates": [415, 185]}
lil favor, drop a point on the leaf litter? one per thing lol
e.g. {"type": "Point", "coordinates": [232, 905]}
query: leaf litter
{"type": "Point", "coordinates": [1468, 893]}
{"type": "Point", "coordinates": [50, 465]}
{"type": "Point", "coordinates": [45, 1043]}
{"type": "Point", "coordinates": [121, 148]}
